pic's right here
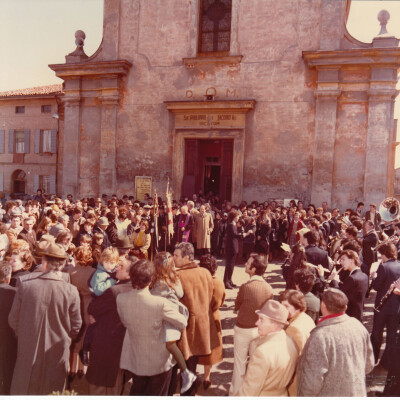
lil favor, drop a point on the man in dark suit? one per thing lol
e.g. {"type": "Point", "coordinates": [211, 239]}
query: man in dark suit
{"type": "Point", "coordinates": [354, 286]}
{"type": "Point", "coordinates": [28, 234]}
{"type": "Point", "coordinates": [8, 340]}
{"type": "Point", "coordinates": [231, 248]}
{"type": "Point", "coordinates": [370, 241]}
{"type": "Point", "coordinates": [334, 224]}
{"type": "Point", "coordinates": [314, 254]}
{"type": "Point", "coordinates": [373, 216]}
{"type": "Point", "coordinates": [389, 315]}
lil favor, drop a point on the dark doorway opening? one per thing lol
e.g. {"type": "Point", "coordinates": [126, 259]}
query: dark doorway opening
{"type": "Point", "coordinates": [208, 167]}
{"type": "Point", "coordinates": [212, 177]}
{"type": "Point", "coordinates": [19, 180]}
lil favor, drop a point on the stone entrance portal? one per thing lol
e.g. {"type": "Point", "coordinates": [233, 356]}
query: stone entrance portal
{"type": "Point", "coordinates": [209, 140]}
{"type": "Point", "coordinates": [208, 167]}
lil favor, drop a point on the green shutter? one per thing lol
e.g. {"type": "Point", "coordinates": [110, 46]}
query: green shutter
{"type": "Point", "coordinates": [37, 141]}
{"type": "Point", "coordinates": [54, 141]}
{"type": "Point", "coordinates": [11, 141]}
{"type": "Point", "coordinates": [2, 141]}
{"type": "Point", "coordinates": [27, 143]}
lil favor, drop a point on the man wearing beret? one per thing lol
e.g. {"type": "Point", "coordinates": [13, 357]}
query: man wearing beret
{"type": "Point", "coordinates": [273, 355]}
{"type": "Point", "coordinates": [45, 316]}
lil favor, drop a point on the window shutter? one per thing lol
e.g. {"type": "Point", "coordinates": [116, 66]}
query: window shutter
{"type": "Point", "coordinates": [54, 141]}
{"type": "Point", "coordinates": [2, 141]}
{"type": "Point", "coordinates": [35, 183]}
{"type": "Point", "coordinates": [37, 141]}
{"type": "Point", "coordinates": [27, 140]}
{"type": "Point", "coordinates": [1, 181]}
{"type": "Point", "coordinates": [52, 184]}
{"type": "Point", "coordinates": [11, 141]}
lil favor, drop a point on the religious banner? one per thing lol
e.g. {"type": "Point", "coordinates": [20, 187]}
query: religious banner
{"type": "Point", "coordinates": [142, 187]}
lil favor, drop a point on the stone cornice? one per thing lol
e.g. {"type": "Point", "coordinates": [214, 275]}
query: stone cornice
{"type": "Point", "coordinates": [330, 94]}
{"type": "Point", "coordinates": [228, 105]}
{"type": "Point", "coordinates": [92, 69]}
{"type": "Point", "coordinates": [379, 95]}
{"type": "Point", "coordinates": [382, 57]}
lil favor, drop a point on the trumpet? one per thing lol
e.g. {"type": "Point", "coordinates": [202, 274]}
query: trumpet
{"type": "Point", "coordinates": [388, 240]}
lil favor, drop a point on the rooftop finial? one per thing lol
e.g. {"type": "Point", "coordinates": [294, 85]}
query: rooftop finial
{"type": "Point", "coordinates": [80, 38]}
{"type": "Point", "coordinates": [79, 54]}
{"type": "Point", "coordinates": [383, 18]}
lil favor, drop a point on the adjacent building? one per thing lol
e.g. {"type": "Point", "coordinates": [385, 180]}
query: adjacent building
{"type": "Point", "coordinates": [28, 139]}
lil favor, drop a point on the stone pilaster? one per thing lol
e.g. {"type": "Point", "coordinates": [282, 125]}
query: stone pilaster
{"type": "Point", "coordinates": [71, 150]}
{"type": "Point", "coordinates": [324, 140]}
{"type": "Point", "coordinates": [108, 135]}
{"type": "Point", "coordinates": [379, 145]}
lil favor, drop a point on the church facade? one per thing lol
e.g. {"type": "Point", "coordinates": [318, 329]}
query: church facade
{"type": "Point", "coordinates": [253, 100]}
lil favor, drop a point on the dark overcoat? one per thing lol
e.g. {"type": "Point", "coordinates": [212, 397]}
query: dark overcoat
{"type": "Point", "coordinates": [355, 287]}
{"type": "Point", "coordinates": [105, 349]}
{"type": "Point", "coordinates": [8, 340]}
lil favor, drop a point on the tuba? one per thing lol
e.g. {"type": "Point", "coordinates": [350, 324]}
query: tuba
{"type": "Point", "coordinates": [389, 209]}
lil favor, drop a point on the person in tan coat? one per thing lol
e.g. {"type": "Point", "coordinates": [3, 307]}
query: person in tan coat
{"type": "Point", "coordinates": [273, 355]}
{"type": "Point", "coordinates": [203, 226]}
{"type": "Point", "coordinates": [300, 324]}
{"type": "Point", "coordinates": [200, 335]}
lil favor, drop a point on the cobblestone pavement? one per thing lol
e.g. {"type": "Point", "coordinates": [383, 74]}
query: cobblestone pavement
{"type": "Point", "coordinates": [221, 373]}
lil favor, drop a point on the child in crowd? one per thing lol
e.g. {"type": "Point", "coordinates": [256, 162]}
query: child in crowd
{"type": "Point", "coordinates": [166, 284]}
{"type": "Point", "coordinates": [99, 282]}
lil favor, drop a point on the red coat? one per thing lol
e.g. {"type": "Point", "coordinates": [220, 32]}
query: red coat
{"type": "Point", "coordinates": [300, 225]}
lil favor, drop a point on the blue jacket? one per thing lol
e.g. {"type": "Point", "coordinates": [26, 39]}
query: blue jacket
{"type": "Point", "coordinates": [101, 280]}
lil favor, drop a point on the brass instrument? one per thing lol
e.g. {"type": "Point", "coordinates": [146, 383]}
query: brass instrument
{"type": "Point", "coordinates": [388, 240]}
{"type": "Point", "coordinates": [389, 209]}
{"type": "Point", "coordinates": [334, 247]}
{"type": "Point", "coordinates": [386, 296]}
{"type": "Point", "coordinates": [344, 220]}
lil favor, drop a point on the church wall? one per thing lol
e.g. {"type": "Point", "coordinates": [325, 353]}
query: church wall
{"type": "Point", "coordinates": [279, 133]}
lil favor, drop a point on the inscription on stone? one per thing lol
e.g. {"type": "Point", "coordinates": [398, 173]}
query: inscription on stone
{"type": "Point", "coordinates": [207, 120]}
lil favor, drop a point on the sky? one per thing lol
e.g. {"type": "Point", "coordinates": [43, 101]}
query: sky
{"type": "Point", "coordinates": [35, 33]}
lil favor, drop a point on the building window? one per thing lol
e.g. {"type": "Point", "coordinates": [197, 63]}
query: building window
{"type": "Point", "coordinates": [45, 141]}
{"type": "Point", "coordinates": [46, 109]}
{"type": "Point", "coordinates": [215, 27]}
{"type": "Point", "coordinates": [19, 109]}
{"type": "Point", "coordinates": [19, 142]}
{"type": "Point", "coordinates": [44, 183]}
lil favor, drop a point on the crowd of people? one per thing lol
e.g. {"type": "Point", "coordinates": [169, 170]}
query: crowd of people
{"type": "Point", "coordinates": [109, 288]}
